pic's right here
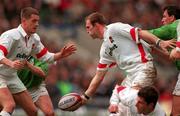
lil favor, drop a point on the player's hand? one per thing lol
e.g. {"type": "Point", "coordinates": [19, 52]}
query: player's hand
{"type": "Point", "coordinates": [113, 108]}
{"type": "Point", "coordinates": [67, 50]}
{"type": "Point", "coordinates": [84, 100]}
{"type": "Point", "coordinates": [18, 64]}
{"type": "Point", "coordinates": [174, 55]}
{"type": "Point", "coordinates": [164, 45]}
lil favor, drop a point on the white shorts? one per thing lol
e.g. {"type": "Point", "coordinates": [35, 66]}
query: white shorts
{"type": "Point", "coordinates": [177, 87]}
{"type": "Point", "coordinates": [143, 75]}
{"type": "Point", "coordinates": [38, 91]}
{"type": "Point", "coordinates": [13, 83]}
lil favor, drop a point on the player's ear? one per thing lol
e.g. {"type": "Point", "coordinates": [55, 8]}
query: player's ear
{"type": "Point", "coordinates": [23, 20]}
{"type": "Point", "coordinates": [152, 105]}
{"type": "Point", "coordinates": [172, 18]}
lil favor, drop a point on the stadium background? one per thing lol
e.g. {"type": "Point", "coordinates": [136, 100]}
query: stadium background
{"type": "Point", "coordinates": [63, 21]}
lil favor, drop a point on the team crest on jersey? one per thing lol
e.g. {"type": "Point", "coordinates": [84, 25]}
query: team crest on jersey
{"type": "Point", "coordinates": [33, 46]}
{"type": "Point", "coordinates": [111, 39]}
{"type": "Point", "coordinates": [111, 49]}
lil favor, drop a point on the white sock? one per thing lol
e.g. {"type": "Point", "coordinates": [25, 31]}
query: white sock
{"type": "Point", "coordinates": [4, 113]}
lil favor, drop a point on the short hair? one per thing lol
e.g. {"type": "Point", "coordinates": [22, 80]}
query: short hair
{"type": "Point", "coordinates": [28, 11]}
{"type": "Point", "coordinates": [173, 10]}
{"type": "Point", "coordinates": [96, 17]}
{"type": "Point", "coordinates": [149, 94]}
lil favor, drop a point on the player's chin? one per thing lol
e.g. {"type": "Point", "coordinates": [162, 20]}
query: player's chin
{"type": "Point", "coordinates": [34, 30]}
{"type": "Point", "coordinates": [139, 111]}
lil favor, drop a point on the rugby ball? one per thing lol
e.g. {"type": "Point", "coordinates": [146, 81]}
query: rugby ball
{"type": "Point", "coordinates": [70, 102]}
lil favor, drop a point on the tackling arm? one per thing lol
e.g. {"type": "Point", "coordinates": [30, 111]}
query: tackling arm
{"type": "Point", "coordinates": [150, 38]}
{"type": "Point", "coordinates": [35, 70]}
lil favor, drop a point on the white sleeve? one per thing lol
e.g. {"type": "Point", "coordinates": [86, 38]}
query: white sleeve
{"type": "Point", "coordinates": [41, 53]}
{"type": "Point", "coordinates": [105, 61]}
{"type": "Point", "coordinates": [115, 96]}
{"type": "Point", "coordinates": [178, 38]}
{"type": "Point", "coordinates": [6, 43]}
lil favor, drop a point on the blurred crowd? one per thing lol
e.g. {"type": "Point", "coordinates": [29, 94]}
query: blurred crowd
{"type": "Point", "coordinates": [74, 74]}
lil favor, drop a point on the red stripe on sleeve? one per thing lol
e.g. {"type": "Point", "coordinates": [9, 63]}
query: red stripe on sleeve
{"type": "Point", "coordinates": [120, 88]}
{"type": "Point", "coordinates": [178, 44]}
{"type": "Point", "coordinates": [4, 50]}
{"type": "Point", "coordinates": [140, 47]}
{"type": "Point", "coordinates": [112, 64]}
{"type": "Point", "coordinates": [42, 53]}
{"type": "Point", "coordinates": [143, 54]}
{"type": "Point", "coordinates": [133, 34]}
{"type": "Point", "coordinates": [102, 65]}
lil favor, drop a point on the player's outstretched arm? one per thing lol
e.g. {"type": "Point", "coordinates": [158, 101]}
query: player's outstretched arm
{"type": "Point", "coordinates": [95, 82]}
{"type": "Point", "coordinates": [66, 51]}
{"type": "Point", "coordinates": [17, 64]}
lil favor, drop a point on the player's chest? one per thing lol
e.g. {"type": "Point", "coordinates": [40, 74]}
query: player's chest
{"type": "Point", "coordinates": [25, 46]}
{"type": "Point", "coordinates": [109, 45]}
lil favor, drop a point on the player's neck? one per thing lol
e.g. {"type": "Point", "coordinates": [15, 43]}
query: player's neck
{"type": "Point", "coordinates": [26, 30]}
{"type": "Point", "coordinates": [102, 29]}
{"type": "Point", "coordinates": [148, 111]}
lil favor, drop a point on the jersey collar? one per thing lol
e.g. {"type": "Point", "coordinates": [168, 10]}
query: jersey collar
{"type": "Point", "coordinates": [105, 33]}
{"type": "Point", "coordinates": [22, 31]}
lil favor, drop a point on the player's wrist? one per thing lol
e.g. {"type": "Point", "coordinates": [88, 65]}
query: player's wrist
{"type": "Point", "coordinates": [158, 42]}
{"type": "Point", "coordinates": [86, 96]}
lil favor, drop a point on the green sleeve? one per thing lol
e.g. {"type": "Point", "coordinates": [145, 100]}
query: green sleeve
{"type": "Point", "coordinates": [30, 79]}
{"type": "Point", "coordinates": [166, 32]}
{"type": "Point", "coordinates": [42, 65]}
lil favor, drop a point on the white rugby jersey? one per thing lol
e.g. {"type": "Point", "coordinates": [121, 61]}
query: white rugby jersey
{"type": "Point", "coordinates": [14, 44]}
{"type": "Point", "coordinates": [127, 96]}
{"type": "Point", "coordinates": [123, 47]}
{"type": "Point", "coordinates": [178, 37]}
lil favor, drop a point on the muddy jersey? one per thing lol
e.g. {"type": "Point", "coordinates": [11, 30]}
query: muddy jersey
{"type": "Point", "coordinates": [123, 47]}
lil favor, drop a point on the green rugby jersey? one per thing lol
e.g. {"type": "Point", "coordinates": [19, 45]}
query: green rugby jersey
{"type": "Point", "coordinates": [167, 32]}
{"type": "Point", "coordinates": [30, 79]}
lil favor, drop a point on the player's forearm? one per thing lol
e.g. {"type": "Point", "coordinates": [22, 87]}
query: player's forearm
{"type": "Point", "coordinates": [96, 81]}
{"type": "Point", "coordinates": [148, 37]}
{"type": "Point", "coordinates": [6, 61]}
{"type": "Point", "coordinates": [114, 99]}
{"type": "Point", "coordinates": [57, 56]}
{"type": "Point", "coordinates": [36, 70]}
{"type": "Point", "coordinates": [93, 86]}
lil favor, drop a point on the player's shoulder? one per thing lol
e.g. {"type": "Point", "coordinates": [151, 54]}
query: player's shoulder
{"type": "Point", "coordinates": [36, 37]}
{"type": "Point", "coordinates": [172, 25]}
{"type": "Point", "coordinates": [159, 111]}
{"type": "Point", "coordinates": [12, 33]}
{"type": "Point", "coordinates": [118, 26]}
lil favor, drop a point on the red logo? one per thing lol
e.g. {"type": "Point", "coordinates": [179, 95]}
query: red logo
{"type": "Point", "coordinates": [33, 46]}
{"type": "Point", "coordinates": [111, 40]}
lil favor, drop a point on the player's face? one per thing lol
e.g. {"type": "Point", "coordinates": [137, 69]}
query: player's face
{"type": "Point", "coordinates": [31, 24]}
{"type": "Point", "coordinates": [142, 106]}
{"type": "Point", "coordinates": [167, 19]}
{"type": "Point", "coordinates": [91, 30]}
